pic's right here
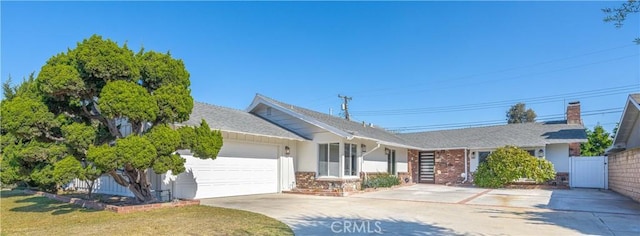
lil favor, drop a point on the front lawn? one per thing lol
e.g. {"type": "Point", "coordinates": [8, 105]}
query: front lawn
{"type": "Point", "coordinates": [34, 215]}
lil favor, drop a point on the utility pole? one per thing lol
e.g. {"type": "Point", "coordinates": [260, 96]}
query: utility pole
{"type": "Point", "coordinates": [345, 106]}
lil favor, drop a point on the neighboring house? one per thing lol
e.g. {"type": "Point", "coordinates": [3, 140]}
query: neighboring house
{"type": "Point", "coordinates": [624, 155]}
{"type": "Point", "coordinates": [448, 156]}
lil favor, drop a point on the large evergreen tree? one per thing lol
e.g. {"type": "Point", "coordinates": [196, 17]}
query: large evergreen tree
{"type": "Point", "coordinates": [519, 113]}
{"type": "Point", "coordinates": [68, 122]}
{"type": "Point", "coordinates": [598, 141]}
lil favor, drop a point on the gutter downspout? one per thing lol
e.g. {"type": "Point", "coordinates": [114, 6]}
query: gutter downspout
{"type": "Point", "coordinates": [362, 161]}
{"type": "Point", "coordinates": [466, 170]}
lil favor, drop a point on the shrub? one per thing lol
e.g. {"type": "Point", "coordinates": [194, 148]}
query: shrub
{"type": "Point", "coordinates": [381, 180]}
{"type": "Point", "coordinates": [508, 164]}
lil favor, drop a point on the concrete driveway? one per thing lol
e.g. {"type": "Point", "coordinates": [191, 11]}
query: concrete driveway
{"type": "Point", "coordinates": [441, 210]}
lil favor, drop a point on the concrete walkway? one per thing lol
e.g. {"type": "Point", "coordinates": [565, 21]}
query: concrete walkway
{"type": "Point", "coordinates": [443, 210]}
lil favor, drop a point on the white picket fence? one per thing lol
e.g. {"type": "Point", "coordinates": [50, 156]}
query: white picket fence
{"type": "Point", "coordinates": [105, 184]}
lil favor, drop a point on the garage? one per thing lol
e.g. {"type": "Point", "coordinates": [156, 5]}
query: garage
{"type": "Point", "coordinates": [241, 168]}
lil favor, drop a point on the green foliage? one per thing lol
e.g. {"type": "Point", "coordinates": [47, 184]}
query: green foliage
{"type": "Point", "coordinates": [66, 170]}
{"type": "Point", "coordinates": [26, 117]}
{"type": "Point", "coordinates": [172, 162]}
{"type": "Point", "coordinates": [519, 113]}
{"type": "Point", "coordinates": [128, 99]}
{"type": "Point", "coordinates": [137, 151]}
{"type": "Point", "coordinates": [160, 69]}
{"type": "Point", "coordinates": [164, 139]}
{"type": "Point", "coordinates": [105, 60]}
{"type": "Point", "coordinates": [187, 137]}
{"type": "Point", "coordinates": [56, 80]}
{"type": "Point", "coordinates": [7, 89]}
{"type": "Point", "coordinates": [38, 152]}
{"type": "Point", "coordinates": [598, 141]}
{"type": "Point", "coordinates": [381, 180]}
{"type": "Point", "coordinates": [79, 136]}
{"type": "Point", "coordinates": [619, 15]}
{"type": "Point", "coordinates": [508, 164]}
{"type": "Point", "coordinates": [174, 103]}
{"type": "Point", "coordinates": [78, 103]}
{"type": "Point", "coordinates": [10, 169]}
{"type": "Point", "coordinates": [104, 157]}
{"type": "Point", "coordinates": [207, 142]}
{"type": "Point", "coordinates": [42, 176]}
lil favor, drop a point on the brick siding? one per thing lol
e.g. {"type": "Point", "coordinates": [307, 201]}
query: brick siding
{"type": "Point", "coordinates": [624, 173]}
{"type": "Point", "coordinates": [308, 180]}
{"type": "Point", "coordinates": [449, 166]}
{"type": "Point", "coordinates": [413, 157]}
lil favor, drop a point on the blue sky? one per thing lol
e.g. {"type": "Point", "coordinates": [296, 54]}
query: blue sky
{"type": "Point", "coordinates": [407, 65]}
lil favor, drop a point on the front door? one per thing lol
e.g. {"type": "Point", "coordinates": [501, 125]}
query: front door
{"type": "Point", "coordinates": [427, 165]}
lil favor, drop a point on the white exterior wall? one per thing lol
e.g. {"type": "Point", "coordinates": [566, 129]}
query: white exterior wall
{"type": "Point", "coordinates": [634, 138]}
{"type": "Point", "coordinates": [308, 151]}
{"type": "Point", "coordinates": [558, 154]}
{"type": "Point", "coordinates": [376, 160]}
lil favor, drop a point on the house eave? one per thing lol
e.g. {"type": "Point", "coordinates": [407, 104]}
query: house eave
{"type": "Point", "coordinates": [259, 100]}
{"type": "Point", "coordinates": [254, 134]}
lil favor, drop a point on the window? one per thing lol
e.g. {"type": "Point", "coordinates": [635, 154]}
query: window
{"type": "Point", "coordinates": [482, 156]}
{"type": "Point", "coordinates": [329, 159]}
{"type": "Point", "coordinates": [391, 162]}
{"type": "Point", "coordinates": [532, 152]}
{"type": "Point", "coordinates": [350, 159]}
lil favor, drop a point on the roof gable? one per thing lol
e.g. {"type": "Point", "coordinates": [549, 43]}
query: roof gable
{"type": "Point", "coordinates": [339, 126]}
{"type": "Point", "coordinates": [630, 117]}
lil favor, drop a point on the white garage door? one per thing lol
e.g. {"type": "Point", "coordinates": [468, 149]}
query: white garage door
{"type": "Point", "coordinates": [588, 172]}
{"type": "Point", "coordinates": [239, 169]}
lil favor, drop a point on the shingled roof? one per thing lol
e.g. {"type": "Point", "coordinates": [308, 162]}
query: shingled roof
{"type": "Point", "coordinates": [232, 120]}
{"type": "Point", "coordinates": [628, 121]}
{"type": "Point", "coordinates": [350, 128]}
{"type": "Point", "coordinates": [521, 135]}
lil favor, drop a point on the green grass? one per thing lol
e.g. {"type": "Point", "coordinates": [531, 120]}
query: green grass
{"type": "Point", "coordinates": [23, 214]}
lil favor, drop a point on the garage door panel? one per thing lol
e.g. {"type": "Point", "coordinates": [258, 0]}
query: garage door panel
{"type": "Point", "coordinates": [230, 175]}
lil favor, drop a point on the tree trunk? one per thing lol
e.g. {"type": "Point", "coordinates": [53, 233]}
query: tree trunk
{"type": "Point", "coordinates": [139, 185]}
{"type": "Point", "coordinates": [90, 184]}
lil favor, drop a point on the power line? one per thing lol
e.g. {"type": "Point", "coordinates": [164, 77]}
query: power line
{"type": "Point", "coordinates": [368, 91]}
{"type": "Point", "coordinates": [551, 117]}
{"type": "Point", "coordinates": [497, 104]}
{"type": "Point", "coordinates": [509, 78]}
{"type": "Point", "coordinates": [345, 106]}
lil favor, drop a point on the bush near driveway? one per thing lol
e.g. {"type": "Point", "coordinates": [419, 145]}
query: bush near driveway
{"type": "Point", "coordinates": [508, 164]}
{"type": "Point", "coordinates": [23, 214]}
{"type": "Point", "coordinates": [381, 180]}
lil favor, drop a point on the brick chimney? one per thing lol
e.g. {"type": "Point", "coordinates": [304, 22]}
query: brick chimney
{"type": "Point", "coordinates": [573, 118]}
{"type": "Point", "coordinates": [573, 113]}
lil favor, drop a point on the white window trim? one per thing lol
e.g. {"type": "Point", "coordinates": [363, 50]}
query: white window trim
{"type": "Point", "coordinates": [341, 160]}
